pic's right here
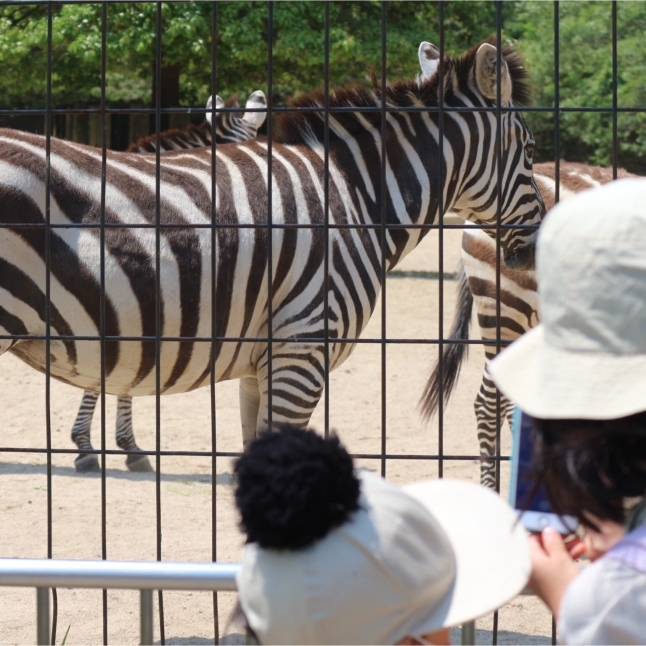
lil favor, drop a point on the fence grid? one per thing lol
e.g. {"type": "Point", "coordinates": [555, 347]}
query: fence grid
{"type": "Point", "coordinates": [47, 119]}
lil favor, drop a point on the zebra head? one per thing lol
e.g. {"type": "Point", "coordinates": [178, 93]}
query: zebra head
{"type": "Point", "coordinates": [231, 126]}
{"type": "Point", "coordinates": [490, 187]}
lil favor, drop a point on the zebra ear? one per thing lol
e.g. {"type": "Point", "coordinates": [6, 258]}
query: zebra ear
{"type": "Point", "coordinates": [256, 100]}
{"type": "Point", "coordinates": [486, 73]}
{"type": "Point", "coordinates": [429, 59]}
{"type": "Point", "coordinates": [219, 103]}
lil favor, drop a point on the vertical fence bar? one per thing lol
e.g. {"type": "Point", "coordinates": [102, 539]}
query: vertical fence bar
{"type": "Point", "coordinates": [146, 616]}
{"type": "Point", "coordinates": [557, 105]}
{"type": "Point", "coordinates": [468, 633]}
{"type": "Point", "coordinates": [499, 200]}
{"type": "Point", "coordinates": [326, 215]}
{"type": "Point", "coordinates": [384, 233]}
{"type": "Point", "coordinates": [104, 491]}
{"type": "Point", "coordinates": [270, 286]}
{"type": "Point", "coordinates": [42, 616]}
{"type": "Point", "coordinates": [615, 142]}
{"type": "Point", "coordinates": [440, 221]}
{"type": "Point", "coordinates": [557, 141]}
{"type": "Point", "coordinates": [214, 445]}
{"type": "Point", "coordinates": [158, 312]}
{"type": "Point", "coordinates": [48, 267]}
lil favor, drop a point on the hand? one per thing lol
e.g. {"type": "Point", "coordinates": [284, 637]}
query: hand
{"type": "Point", "coordinates": [553, 566]}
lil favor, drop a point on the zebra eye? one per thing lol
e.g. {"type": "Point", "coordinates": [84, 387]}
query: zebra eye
{"type": "Point", "coordinates": [529, 150]}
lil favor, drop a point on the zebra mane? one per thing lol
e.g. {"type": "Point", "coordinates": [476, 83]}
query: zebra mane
{"type": "Point", "coordinates": [149, 142]}
{"type": "Point", "coordinates": [301, 127]}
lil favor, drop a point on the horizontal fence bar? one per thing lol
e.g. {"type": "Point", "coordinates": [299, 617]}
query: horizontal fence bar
{"type": "Point", "coordinates": [250, 339]}
{"type": "Point", "coordinates": [128, 575]}
{"type": "Point", "coordinates": [332, 109]}
{"type": "Point", "coordinates": [456, 223]}
{"type": "Point", "coordinates": [234, 454]}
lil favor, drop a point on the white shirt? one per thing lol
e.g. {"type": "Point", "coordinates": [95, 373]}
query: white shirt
{"type": "Point", "coordinates": [605, 604]}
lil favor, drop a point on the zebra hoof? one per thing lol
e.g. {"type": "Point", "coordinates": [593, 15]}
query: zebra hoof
{"type": "Point", "coordinates": [139, 463]}
{"type": "Point", "coordinates": [85, 463]}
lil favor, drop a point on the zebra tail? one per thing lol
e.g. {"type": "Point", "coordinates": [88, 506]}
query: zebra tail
{"type": "Point", "coordinates": [453, 354]}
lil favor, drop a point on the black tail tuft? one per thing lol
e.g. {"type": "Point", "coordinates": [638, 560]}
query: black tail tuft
{"type": "Point", "coordinates": [453, 354]}
{"type": "Point", "coordinates": [293, 487]}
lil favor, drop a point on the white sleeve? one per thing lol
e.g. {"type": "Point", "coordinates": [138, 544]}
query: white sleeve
{"type": "Point", "coordinates": [605, 604]}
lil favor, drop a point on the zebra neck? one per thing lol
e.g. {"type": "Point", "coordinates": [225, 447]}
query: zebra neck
{"type": "Point", "coordinates": [414, 189]}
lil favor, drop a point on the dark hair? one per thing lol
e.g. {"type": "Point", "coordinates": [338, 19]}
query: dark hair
{"type": "Point", "coordinates": [293, 487]}
{"type": "Point", "coordinates": [590, 467]}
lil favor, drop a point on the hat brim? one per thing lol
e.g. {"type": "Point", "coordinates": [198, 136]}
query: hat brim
{"type": "Point", "coordinates": [490, 546]}
{"type": "Point", "coordinates": [552, 383]}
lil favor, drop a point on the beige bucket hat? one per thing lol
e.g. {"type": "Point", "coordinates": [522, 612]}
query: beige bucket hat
{"type": "Point", "coordinates": [412, 560]}
{"type": "Point", "coordinates": [587, 357]}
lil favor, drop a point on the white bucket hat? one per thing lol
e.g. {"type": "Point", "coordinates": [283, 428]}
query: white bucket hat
{"type": "Point", "coordinates": [587, 357]}
{"type": "Point", "coordinates": [409, 562]}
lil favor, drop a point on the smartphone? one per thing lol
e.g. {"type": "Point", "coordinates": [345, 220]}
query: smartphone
{"type": "Point", "coordinates": [537, 514]}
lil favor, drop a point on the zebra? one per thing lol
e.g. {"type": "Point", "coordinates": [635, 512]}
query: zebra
{"type": "Point", "coordinates": [230, 127]}
{"type": "Point", "coordinates": [292, 287]}
{"type": "Point", "coordinates": [518, 309]}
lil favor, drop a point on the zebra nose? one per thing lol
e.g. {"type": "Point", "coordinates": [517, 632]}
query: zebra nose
{"type": "Point", "coordinates": [521, 258]}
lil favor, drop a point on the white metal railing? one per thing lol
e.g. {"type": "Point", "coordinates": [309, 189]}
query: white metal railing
{"type": "Point", "coordinates": [44, 574]}
{"type": "Point", "coordinates": [144, 576]}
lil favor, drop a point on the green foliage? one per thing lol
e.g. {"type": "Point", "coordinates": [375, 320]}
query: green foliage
{"type": "Point", "coordinates": [298, 56]}
{"type": "Point", "coordinates": [585, 78]}
{"type": "Point", "coordinates": [242, 46]}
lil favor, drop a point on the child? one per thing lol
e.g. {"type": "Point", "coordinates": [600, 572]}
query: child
{"type": "Point", "coordinates": [582, 374]}
{"type": "Point", "coordinates": [336, 558]}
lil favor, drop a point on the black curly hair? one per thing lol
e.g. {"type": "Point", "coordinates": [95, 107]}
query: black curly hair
{"type": "Point", "coordinates": [294, 486]}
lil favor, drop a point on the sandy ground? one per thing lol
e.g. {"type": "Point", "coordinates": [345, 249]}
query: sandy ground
{"type": "Point", "coordinates": [185, 483]}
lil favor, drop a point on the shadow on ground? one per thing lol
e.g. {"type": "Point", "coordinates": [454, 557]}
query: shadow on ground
{"type": "Point", "coordinates": [233, 638]}
{"type": "Point", "coordinates": [504, 637]}
{"type": "Point", "coordinates": [19, 468]}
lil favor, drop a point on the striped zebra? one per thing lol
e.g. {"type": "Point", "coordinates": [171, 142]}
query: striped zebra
{"type": "Point", "coordinates": [229, 127]}
{"type": "Point", "coordinates": [292, 288]}
{"type": "Point", "coordinates": [518, 308]}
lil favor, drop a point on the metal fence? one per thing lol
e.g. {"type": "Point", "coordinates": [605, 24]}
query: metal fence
{"type": "Point", "coordinates": [104, 127]}
{"type": "Point", "coordinates": [45, 574]}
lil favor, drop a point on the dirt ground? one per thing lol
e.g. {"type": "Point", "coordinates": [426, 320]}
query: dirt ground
{"type": "Point", "coordinates": [185, 483]}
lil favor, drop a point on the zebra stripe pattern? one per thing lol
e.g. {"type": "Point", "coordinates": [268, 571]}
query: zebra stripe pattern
{"type": "Point", "coordinates": [230, 127]}
{"type": "Point", "coordinates": [518, 309]}
{"type": "Point", "coordinates": [249, 256]}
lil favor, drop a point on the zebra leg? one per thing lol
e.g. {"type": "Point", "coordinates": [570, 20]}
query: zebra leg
{"type": "Point", "coordinates": [249, 406]}
{"type": "Point", "coordinates": [81, 434]}
{"type": "Point", "coordinates": [488, 427]}
{"type": "Point", "coordinates": [296, 387]}
{"type": "Point", "coordinates": [126, 436]}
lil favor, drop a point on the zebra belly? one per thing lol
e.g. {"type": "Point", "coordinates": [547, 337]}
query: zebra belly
{"type": "Point", "coordinates": [119, 381]}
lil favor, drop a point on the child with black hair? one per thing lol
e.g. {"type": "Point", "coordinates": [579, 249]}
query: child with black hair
{"type": "Point", "coordinates": [582, 375]}
{"type": "Point", "coordinates": [339, 558]}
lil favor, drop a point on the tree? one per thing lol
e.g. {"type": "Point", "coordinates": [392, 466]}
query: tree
{"type": "Point", "coordinates": [242, 47]}
{"type": "Point", "coordinates": [298, 56]}
{"type": "Point", "coordinates": [585, 78]}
